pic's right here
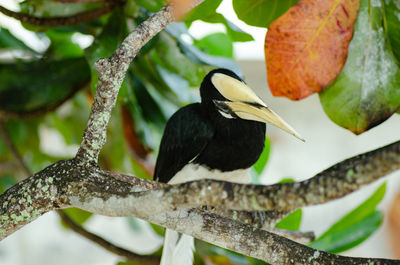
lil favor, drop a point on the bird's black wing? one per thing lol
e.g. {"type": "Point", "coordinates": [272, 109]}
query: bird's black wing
{"type": "Point", "coordinates": [186, 134]}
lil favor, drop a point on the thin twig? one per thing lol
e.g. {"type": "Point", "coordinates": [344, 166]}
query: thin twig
{"type": "Point", "coordinates": [17, 115]}
{"type": "Point", "coordinates": [142, 259]}
{"type": "Point", "coordinates": [12, 148]}
{"type": "Point", "coordinates": [61, 21]}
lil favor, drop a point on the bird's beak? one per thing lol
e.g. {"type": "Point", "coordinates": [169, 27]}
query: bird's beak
{"type": "Point", "coordinates": [245, 104]}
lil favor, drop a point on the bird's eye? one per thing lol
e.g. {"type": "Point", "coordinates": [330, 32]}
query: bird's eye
{"type": "Point", "coordinates": [224, 109]}
{"type": "Point", "coordinates": [226, 115]}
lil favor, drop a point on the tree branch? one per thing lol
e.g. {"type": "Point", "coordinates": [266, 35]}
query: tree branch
{"type": "Point", "coordinates": [142, 259]}
{"type": "Point", "coordinates": [335, 182]}
{"type": "Point", "coordinates": [11, 147]}
{"type": "Point", "coordinates": [4, 114]}
{"type": "Point", "coordinates": [61, 21]}
{"type": "Point", "coordinates": [264, 220]}
{"type": "Point", "coordinates": [251, 241]}
{"type": "Point", "coordinates": [70, 184]}
{"type": "Point", "coordinates": [111, 73]}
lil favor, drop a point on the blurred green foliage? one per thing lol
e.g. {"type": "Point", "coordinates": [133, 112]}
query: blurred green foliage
{"type": "Point", "coordinates": [353, 228]}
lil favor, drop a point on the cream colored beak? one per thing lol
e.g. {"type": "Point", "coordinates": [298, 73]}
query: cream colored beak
{"type": "Point", "coordinates": [245, 104]}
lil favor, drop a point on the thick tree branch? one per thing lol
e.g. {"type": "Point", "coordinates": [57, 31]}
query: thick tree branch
{"type": "Point", "coordinates": [70, 184]}
{"type": "Point", "coordinates": [142, 259]}
{"type": "Point", "coordinates": [335, 182]}
{"type": "Point", "coordinates": [264, 220]}
{"type": "Point", "coordinates": [61, 21]}
{"type": "Point", "coordinates": [251, 241]}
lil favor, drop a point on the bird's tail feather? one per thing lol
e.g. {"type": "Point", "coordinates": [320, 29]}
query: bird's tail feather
{"type": "Point", "coordinates": [177, 250]}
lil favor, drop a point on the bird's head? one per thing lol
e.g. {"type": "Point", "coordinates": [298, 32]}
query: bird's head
{"type": "Point", "coordinates": [225, 93]}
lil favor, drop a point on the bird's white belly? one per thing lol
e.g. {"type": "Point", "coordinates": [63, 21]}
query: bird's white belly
{"type": "Point", "coordinates": [192, 172]}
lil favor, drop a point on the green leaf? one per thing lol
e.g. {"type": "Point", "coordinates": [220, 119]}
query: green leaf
{"type": "Point", "coordinates": [197, 56]}
{"type": "Point", "coordinates": [360, 212]}
{"type": "Point", "coordinates": [41, 85]}
{"type": "Point", "coordinates": [141, 126]}
{"type": "Point", "coordinates": [77, 215]}
{"type": "Point", "coordinates": [286, 180]}
{"type": "Point", "coordinates": [233, 31]}
{"type": "Point", "coordinates": [62, 45]}
{"type": "Point", "coordinates": [106, 42]}
{"type": "Point", "coordinates": [354, 227]}
{"type": "Point", "coordinates": [205, 9]}
{"type": "Point", "coordinates": [114, 155]}
{"type": "Point", "coordinates": [77, 114]}
{"type": "Point", "coordinates": [218, 44]}
{"type": "Point", "coordinates": [125, 263]}
{"type": "Point", "coordinates": [25, 134]}
{"type": "Point", "coordinates": [167, 54]}
{"type": "Point", "coordinates": [392, 15]}
{"type": "Point", "coordinates": [259, 166]}
{"type": "Point", "coordinates": [151, 5]}
{"type": "Point", "coordinates": [261, 13]}
{"type": "Point", "coordinates": [351, 236]}
{"type": "Point", "coordinates": [291, 222]}
{"type": "Point", "coordinates": [151, 109]}
{"type": "Point", "coordinates": [202, 58]}
{"type": "Point", "coordinates": [8, 40]}
{"type": "Point", "coordinates": [6, 182]}
{"type": "Point", "coordinates": [367, 90]}
{"type": "Point", "coordinates": [221, 256]}
{"type": "Point", "coordinates": [158, 229]}
{"type": "Point", "coordinates": [179, 86]}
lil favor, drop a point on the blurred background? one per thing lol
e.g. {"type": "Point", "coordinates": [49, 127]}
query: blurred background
{"type": "Point", "coordinates": [44, 241]}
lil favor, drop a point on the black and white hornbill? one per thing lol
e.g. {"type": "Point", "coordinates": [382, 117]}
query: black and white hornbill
{"type": "Point", "coordinates": [219, 138]}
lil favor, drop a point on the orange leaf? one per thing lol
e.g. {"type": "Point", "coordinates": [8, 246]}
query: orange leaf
{"type": "Point", "coordinates": [394, 226]}
{"type": "Point", "coordinates": [181, 7]}
{"type": "Point", "coordinates": [306, 48]}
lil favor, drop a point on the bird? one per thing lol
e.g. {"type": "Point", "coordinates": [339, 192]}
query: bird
{"type": "Point", "coordinates": [219, 138]}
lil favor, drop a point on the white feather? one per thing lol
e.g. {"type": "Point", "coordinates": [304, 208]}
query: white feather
{"type": "Point", "coordinates": [183, 253]}
{"type": "Point", "coordinates": [170, 242]}
{"type": "Point", "coordinates": [179, 251]}
{"type": "Point", "coordinates": [196, 172]}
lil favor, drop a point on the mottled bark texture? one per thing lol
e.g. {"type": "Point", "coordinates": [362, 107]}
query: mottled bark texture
{"type": "Point", "coordinates": [71, 184]}
{"type": "Point", "coordinates": [80, 183]}
{"type": "Point", "coordinates": [111, 73]}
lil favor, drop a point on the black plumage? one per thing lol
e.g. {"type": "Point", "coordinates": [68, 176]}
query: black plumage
{"type": "Point", "coordinates": [199, 134]}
